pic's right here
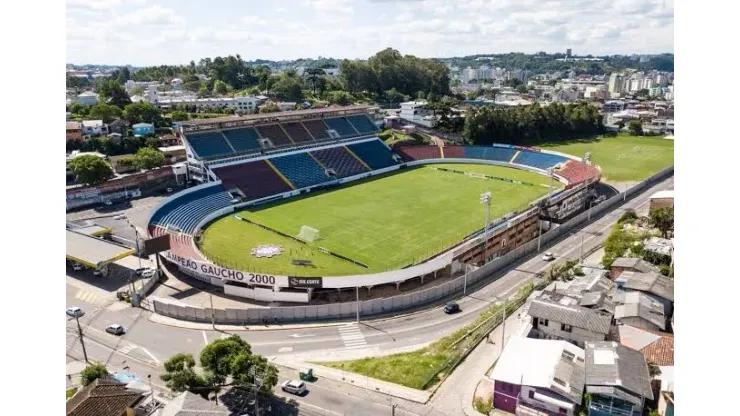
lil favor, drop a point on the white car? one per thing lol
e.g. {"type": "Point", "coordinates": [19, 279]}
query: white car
{"type": "Point", "coordinates": [149, 272]}
{"type": "Point", "coordinates": [77, 267]}
{"type": "Point", "coordinates": [548, 257]}
{"type": "Point", "coordinates": [119, 217]}
{"type": "Point", "coordinates": [114, 329]}
{"type": "Point", "coordinates": [294, 386]}
{"type": "Point", "coordinates": [108, 203]}
{"type": "Point", "coordinates": [75, 312]}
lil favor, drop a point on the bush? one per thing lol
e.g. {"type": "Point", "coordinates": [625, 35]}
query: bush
{"type": "Point", "coordinates": [93, 372]}
{"type": "Point", "coordinates": [621, 243]}
{"type": "Point", "coordinates": [628, 217]}
{"type": "Point", "coordinates": [483, 406]}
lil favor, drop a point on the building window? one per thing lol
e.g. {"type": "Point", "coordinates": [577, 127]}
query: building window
{"type": "Point", "coordinates": [531, 394]}
{"type": "Point", "coordinates": [566, 328]}
{"type": "Point", "coordinates": [543, 321]}
{"type": "Point", "coordinates": [562, 411]}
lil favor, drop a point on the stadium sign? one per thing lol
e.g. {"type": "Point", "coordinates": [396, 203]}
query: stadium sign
{"type": "Point", "coordinates": [306, 282]}
{"type": "Point", "coordinates": [208, 270]}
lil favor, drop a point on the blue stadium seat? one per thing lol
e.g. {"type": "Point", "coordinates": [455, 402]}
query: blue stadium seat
{"type": "Point", "coordinates": [341, 126]}
{"type": "Point", "coordinates": [185, 212]}
{"type": "Point", "coordinates": [339, 159]}
{"type": "Point", "coordinates": [362, 123]}
{"type": "Point", "coordinates": [244, 139]}
{"type": "Point", "coordinates": [374, 153]}
{"type": "Point", "coordinates": [209, 144]}
{"type": "Point", "coordinates": [501, 154]}
{"type": "Point", "coordinates": [300, 169]}
{"type": "Point", "coordinates": [539, 160]}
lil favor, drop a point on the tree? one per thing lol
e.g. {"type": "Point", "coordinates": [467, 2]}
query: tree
{"type": "Point", "coordinates": [142, 113]}
{"type": "Point", "coordinates": [203, 91]}
{"type": "Point", "coordinates": [313, 76]}
{"type": "Point", "coordinates": [113, 93]}
{"type": "Point", "coordinates": [635, 127]}
{"type": "Point", "coordinates": [220, 87]}
{"type": "Point", "coordinates": [179, 116]}
{"type": "Point", "coordinates": [662, 219]}
{"type": "Point", "coordinates": [123, 75]}
{"type": "Point", "coordinates": [180, 374]}
{"type": "Point", "coordinates": [79, 109]}
{"type": "Point", "coordinates": [105, 112]}
{"type": "Point", "coordinates": [521, 89]}
{"type": "Point", "coordinates": [92, 372]}
{"type": "Point", "coordinates": [269, 107]}
{"type": "Point", "coordinates": [148, 158]}
{"type": "Point", "coordinates": [90, 169]}
{"type": "Point", "coordinates": [340, 97]}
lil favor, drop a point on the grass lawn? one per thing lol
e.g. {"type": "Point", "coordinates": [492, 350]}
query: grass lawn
{"type": "Point", "coordinates": [624, 158]}
{"type": "Point", "coordinates": [385, 223]}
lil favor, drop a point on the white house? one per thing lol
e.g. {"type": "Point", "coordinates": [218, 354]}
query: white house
{"type": "Point", "coordinates": [245, 104]}
{"type": "Point", "coordinates": [87, 98]}
{"type": "Point", "coordinates": [94, 127]}
{"type": "Point", "coordinates": [555, 316]}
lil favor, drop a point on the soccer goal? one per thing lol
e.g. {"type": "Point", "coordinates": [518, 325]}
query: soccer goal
{"type": "Point", "coordinates": [477, 175]}
{"type": "Point", "coordinates": [308, 234]}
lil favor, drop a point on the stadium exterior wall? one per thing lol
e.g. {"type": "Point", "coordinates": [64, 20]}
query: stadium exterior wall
{"type": "Point", "coordinates": [399, 303]}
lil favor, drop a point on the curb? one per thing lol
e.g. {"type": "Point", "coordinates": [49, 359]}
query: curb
{"type": "Point", "coordinates": [172, 322]}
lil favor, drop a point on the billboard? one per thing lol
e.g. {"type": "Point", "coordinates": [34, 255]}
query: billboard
{"type": "Point", "coordinates": [157, 244]}
{"type": "Point", "coordinates": [304, 282]}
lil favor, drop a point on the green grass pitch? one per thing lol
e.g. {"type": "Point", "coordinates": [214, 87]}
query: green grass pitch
{"type": "Point", "coordinates": [624, 158]}
{"type": "Point", "coordinates": [385, 223]}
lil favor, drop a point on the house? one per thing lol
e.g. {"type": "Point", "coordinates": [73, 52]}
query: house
{"type": "Point", "coordinates": [639, 310]}
{"type": "Point", "coordinates": [623, 264]}
{"type": "Point", "coordinates": [657, 347]}
{"type": "Point", "coordinates": [74, 130]}
{"type": "Point", "coordinates": [189, 404]}
{"type": "Point", "coordinates": [87, 98]}
{"type": "Point", "coordinates": [594, 279]}
{"type": "Point", "coordinates": [536, 376]}
{"type": "Point", "coordinates": [116, 137]}
{"type": "Point", "coordinates": [597, 301]}
{"type": "Point", "coordinates": [560, 317]}
{"type": "Point", "coordinates": [286, 105]}
{"type": "Point", "coordinates": [118, 126]}
{"type": "Point", "coordinates": [104, 397]}
{"type": "Point", "coordinates": [94, 127]}
{"type": "Point", "coordinates": [143, 129]}
{"type": "Point", "coordinates": [173, 154]}
{"type": "Point", "coordinates": [123, 163]}
{"type": "Point", "coordinates": [659, 247]}
{"type": "Point", "coordinates": [617, 379]}
{"type": "Point", "coordinates": [169, 140]}
{"type": "Point", "coordinates": [662, 199]}
{"type": "Point", "coordinates": [654, 285]}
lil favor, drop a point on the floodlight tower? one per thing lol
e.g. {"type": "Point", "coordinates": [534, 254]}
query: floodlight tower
{"type": "Point", "coordinates": [486, 198]}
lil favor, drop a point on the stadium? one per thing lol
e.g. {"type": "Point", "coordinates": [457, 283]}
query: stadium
{"type": "Point", "coordinates": [294, 206]}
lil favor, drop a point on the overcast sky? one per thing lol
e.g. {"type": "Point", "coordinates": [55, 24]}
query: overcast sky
{"type": "Point", "coordinates": [153, 32]}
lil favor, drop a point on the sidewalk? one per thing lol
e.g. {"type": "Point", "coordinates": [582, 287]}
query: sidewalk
{"type": "Point", "coordinates": [164, 320]}
{"type": "Point", "coordinates": [458, 390]}
{"type": "Point", "coordinates": [391, 389]}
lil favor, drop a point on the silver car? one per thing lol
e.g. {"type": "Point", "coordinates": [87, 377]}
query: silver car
{"type": "Point", "coordinates": [296, 387]}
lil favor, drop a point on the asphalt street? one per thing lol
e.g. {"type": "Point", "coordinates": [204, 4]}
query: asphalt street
{"type": "Point", "coordinates": [147, 344]}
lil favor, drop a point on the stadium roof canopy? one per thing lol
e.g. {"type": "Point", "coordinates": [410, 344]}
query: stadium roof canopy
{"type": "Point", "coordinates": [280, 115]}
{"type": "Point", "coordinates": [92, 251]}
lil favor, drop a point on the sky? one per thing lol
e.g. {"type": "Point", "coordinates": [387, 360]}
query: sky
{"type": "Point", "coordinates": [157, 32]}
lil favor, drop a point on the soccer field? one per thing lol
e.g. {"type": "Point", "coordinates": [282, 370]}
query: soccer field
{"type": "Point", "coordinates": [385, 223]}
{"type": "Point", "coordinates": [623, 158]}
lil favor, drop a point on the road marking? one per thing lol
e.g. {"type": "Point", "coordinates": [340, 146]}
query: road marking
{"type": "Point", "coordinates": [285, 349]}
{"type": "Point", "coordinates": [352, 336]}
{"type": "Point", "coordinates": [301, 336]}
{"type": "Point", "coordinates": [150, 355]}
{"type": "Point", "coordinates": [205, 338]}
{"type": "Point", "coordinates": [90, 297]}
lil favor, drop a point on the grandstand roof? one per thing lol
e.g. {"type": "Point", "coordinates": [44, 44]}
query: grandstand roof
{"type": "Point", "coordinates": [93, 252]}
{"type": "Point", "coordinates": [280, 115]}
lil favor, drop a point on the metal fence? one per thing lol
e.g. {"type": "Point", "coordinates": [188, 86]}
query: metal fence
{"type": "Point", "coordinates": [405, 302]}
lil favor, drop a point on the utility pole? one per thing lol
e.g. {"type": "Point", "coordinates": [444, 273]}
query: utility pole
{"type": "Point", "coordinates": [485, 198]}
{"type": "Point", "coordinates": [465, 280]}
{"type": "Point", "coordinates": [213, 313]}
{"type": "Point", "coordinates": [393, 409]}
{"type": "Point", "coordinates": [357, 302]}
{"type": "Point", "coordinates": [82, 340]}
{"type": "Point", "coordinates": [503, 328]}
{"type": "Point", "coordinates": [580, 251]}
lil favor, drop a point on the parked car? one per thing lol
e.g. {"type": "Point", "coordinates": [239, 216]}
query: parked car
{"type": "Point", "coordinates": [77, 267]}
{"type": "Point", "coordinates": [140, 270]}
{"type": "Point", "coordinates": [452, 307]}
{"type": "Point", "coordinates": [119, 217]}
{"type": "Point", "coordinates": [548, 257]}
{"type": "Point", "coordinates": [109, 203]}
{"type": "Point", "coordinates": [97, 272]}
{"type": "Point", "coordinates": [169, 190]}
{"type": "Point", "coordinates": [114, 329]}
{"type": "Point", "coordinates": [296, 387]}
{"type": "Point", "coordinates": [148, 272]}
{"type": "Point", "coordinates": [75, 312]}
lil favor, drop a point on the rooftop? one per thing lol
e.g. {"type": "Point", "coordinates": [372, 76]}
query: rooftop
{"type": "Point", "coordinates": [189, 404]}
{"type": "Point", "coordinates": [656, 346]}
{"type": "Point", "coordinates": [103, 397]}
{"type": "Point", "coordinates": [663, 194]}
{"type": "Point", "coordinates": [92, 123]}
{"type": "Point", "coordinates": [635, 263]}
{"type": "Point", "coordinates": [659, 245]}
{"type": "Point", "coordinates": [256, 117]}
{"type": "Point", "coordinates": [552, 364]}
{"type": "Point", "coordinates": [639, 305]}
{"type": "Point", "coordinates": [610, 365]}
{"type": "Point", "coordinates": [93, 251]}
{"type": "Point", "coordinates": [572, 315]}
{"type": "Point", "coordinates": [653, 283]}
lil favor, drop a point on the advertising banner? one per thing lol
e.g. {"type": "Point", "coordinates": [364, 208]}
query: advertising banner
{"type": "Point", "coordinates": [307, 282]}
{"type": "Point", "coordinates": [211, 270]}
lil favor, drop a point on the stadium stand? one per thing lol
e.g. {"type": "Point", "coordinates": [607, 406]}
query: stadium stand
{"type": "Point", "coordinates": [300, 169]}
{"type": "Point", "coordinates": [180, 244]}
{"type": "Point", "coordinates": [317, 128]}
{"type": "Point", "coordinates": [275, 133]}
{"type": "Point", "coordinates": [410, 153]}
{"type": "Point", "coordinates": [209, 144]}
{"type": "Point", "coordinates": [194, 207]}
{"type": "Point", "coordinates": [341, 126]}
{"type": "Point", "coordinates": [256, 179]}
{"type": "Point", "coordinates": [457, 152]}
{"type": "Point", "coordinates": [362, 124]}
{"type": "Point", "coordinates": [339, 159]}
{"type": "Point", "coordinates": [243, 140]}
{"type": "Point", "coordinates": [501, 154]}
{"type": "Point", "coordinates": [576, 172]}
{"type": "Point", "coordinates": [538, 160]}
{"type": "Point", "coordinates": [297, 132]}
{"type": "Point", "coordinates": [374, 153]}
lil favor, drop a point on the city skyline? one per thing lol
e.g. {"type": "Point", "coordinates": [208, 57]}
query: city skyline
{"type": "Point", "coordinates": [146, 32]}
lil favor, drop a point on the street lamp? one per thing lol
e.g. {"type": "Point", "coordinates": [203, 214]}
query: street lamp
{"type": "Point", "coordinates": [79, 330]}
{"type": "Point", "coordinates": [485, 198]}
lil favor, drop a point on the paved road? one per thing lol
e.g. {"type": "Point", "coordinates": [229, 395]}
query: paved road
{"type": "Point", "coordinates": [146, 344]}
